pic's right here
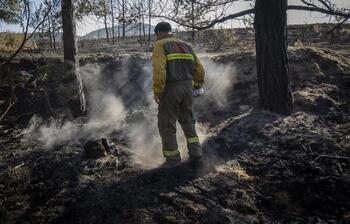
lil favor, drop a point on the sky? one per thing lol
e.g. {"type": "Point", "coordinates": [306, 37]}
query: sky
{"type": "Point", "coordinates": [294, 17]}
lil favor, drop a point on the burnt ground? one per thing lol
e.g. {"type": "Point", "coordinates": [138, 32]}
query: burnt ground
{"type": "Point", "coordinates": [260, 167]}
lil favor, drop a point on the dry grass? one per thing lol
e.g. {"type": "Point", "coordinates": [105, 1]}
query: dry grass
{"type": "Point", "coordinates": [11, 41]}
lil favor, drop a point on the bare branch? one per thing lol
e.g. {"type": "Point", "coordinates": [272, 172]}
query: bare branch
{"type": "Point", "coordinates": [213, 22]}
{"type": "Point", "coordinates": [337, 26]}
{"type": "Point", "coordinates": [26, 37]}
{"type": "Point", "coordinates": [327, 5]}
{"type": "Point", "coordinates": [318, 9]}
{"type": "Point", "coordinates": [308, 3]}
{"type": "Point", "coordinates": [12, 102]}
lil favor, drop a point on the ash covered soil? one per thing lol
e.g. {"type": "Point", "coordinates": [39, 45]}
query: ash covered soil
{"type": "Point", "coordinates": [260, 167]}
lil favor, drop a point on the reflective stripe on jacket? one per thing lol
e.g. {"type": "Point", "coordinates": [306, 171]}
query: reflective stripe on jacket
{"type": "Point", "coordinates": [174, 60]}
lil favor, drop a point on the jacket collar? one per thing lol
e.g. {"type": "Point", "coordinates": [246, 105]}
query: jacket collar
{"type": "Point", "coordinates": [167, 36]}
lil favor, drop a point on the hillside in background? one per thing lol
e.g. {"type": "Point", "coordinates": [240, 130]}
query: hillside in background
{"type": "Point", "coordinates": [130, 30]}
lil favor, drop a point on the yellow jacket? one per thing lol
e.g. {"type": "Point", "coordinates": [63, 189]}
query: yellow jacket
{"type": "Point", "coordinates": [174, 60]}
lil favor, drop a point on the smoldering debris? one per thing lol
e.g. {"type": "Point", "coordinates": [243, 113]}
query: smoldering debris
{"type": "Point", "coordinates": [103, 117]}
{"type": "Point", "coordinates": [98, 148]}
{"type": "Point", "coordinates": [120, 102]}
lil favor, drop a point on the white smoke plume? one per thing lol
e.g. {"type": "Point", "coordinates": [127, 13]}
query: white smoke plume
{"type": "Point", "coordinates": [109, 112]}
{"type": "Point", "coordinates": [106, 113]}
{"type": "Point", "coordinates": [219, 81]}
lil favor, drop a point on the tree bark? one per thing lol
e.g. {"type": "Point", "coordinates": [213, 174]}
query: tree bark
{"type": "Point", "coordinates": [272, 56]}
{"type": "Point", "coordinates": [112, 17]}
{"type": "Point", "coordinates": [143, 29]}
{"type": "Point", "coordinates": [72, 86]}
{"type": "Point", "coordinates": [149, 20]}
{"type": "Point", "coordinates": [106, 26]}
{"type": "Point", "coordinates": [193, 32]}
{"type": "Point", "coordinates": [123, 22]}
{"type": "Point", "coordinates": [140, 22]}
{"type": "Point", "coordinates": [50, 35]}
{"type": "Point", "coordinates": [69, 33]}
{"type": "Point", "coordinates": [54, 37]}
{"type": "Point", "coordinates": [140, 33]}
{"type": "Point", "coordinates": [119, 13]}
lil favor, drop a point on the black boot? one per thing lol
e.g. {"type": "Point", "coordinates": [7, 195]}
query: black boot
{"type": "Point", "coordinates": [171, 162]}
{"type": "Point", "coordinates": [196, 163]}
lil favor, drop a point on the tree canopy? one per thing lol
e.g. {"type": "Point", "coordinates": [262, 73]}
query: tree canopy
{"type": "Point", "coordinates": [10, 11]}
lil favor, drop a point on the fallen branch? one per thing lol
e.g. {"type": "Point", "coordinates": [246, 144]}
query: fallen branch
{"type": "Point", "coordinates": [256, 192]}
{"type": "Point", "coordinates": [19, 166]}
{"type": "Point", "coordinates": [13, 101]}
{"type": "Point", "coordinates": [267, 198]}
{"type": "Point", "coordinates": [330, 157]}
{"type": "Point", "coordinates": [303, 146]}
{"type": "Point", "coordinates": [8, 109]}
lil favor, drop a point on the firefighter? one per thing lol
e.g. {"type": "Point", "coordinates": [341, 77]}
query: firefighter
{"type": "Point", "coordinates": [177, 72]}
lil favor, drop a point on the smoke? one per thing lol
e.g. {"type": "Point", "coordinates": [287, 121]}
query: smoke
{"type": "Point", "coordinates": [219, 81]}
{"type": "Point", "coordinates": [50, 133]}
{"type": "Point", "coordinates": [120, 99]}
{"type": "Point", "coordinates": [106, 113]}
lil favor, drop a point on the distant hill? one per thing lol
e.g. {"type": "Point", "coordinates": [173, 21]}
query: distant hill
{"type": "Point", "coordinates": [130, 30]}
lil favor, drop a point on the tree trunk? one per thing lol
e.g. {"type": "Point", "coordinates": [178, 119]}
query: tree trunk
{"type": "Point", "coordinates": [272, 57]}
{"type": "Point", "coordinates": [149, 20]}
{"type": "Point", "coordinates": [193, 33]}
{"type": "Point", "coordinates": [72, 86]}
{"type": "Point", "coordinates": [118, 26]}
{"type": "Point", "coordinates": [140, 33]}
{"type": "Point", "coordinates": [50, 35]}
{"type": "Point", "coordinates": [124, 22]}
{"type": "Point", "coordinates": [112, 15]}
{"type": "Point", "coordinates": [118, 31]}
{"type": "Point", "coordinates": [123, 35]}
{"type": "Point", "coordinates": [69, 34]}
{"type": "Point", "coordinates": [54, 37]}
{"type": "Point", "coordinates": [143, 29]}
{"type": "Point", "coordinates": [140, 22]}
{"type": "Point", "coordinates": [106, 26]}
{"type": "Point", "coordinates": [53, 23]}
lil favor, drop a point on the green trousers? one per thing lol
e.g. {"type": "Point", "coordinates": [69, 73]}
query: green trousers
{"type": "Point", "coordinates": [176, 104]}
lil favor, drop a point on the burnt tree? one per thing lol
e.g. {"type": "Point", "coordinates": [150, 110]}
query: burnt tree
{"type": "Point", "coordinates": [123, 9]}
{"type": "Point", "coordinates": [112, 18]}
{"type": "Point", "coordinates": [72, 87]}
{"type": "Point", "coordinates": [105, 15]}
{"type": "Point", "coordinates": [272, 57]}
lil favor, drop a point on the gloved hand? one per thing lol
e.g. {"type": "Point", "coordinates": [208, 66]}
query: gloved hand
{"type": "Point", "coordinates": [198, 92]}
{"type": "Point", "coordinates": [157, 98]}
